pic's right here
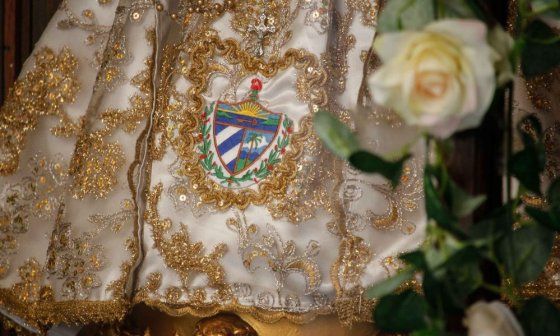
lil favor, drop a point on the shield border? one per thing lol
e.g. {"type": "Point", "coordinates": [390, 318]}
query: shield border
{"type": "Point", "coordinates": [214, 114]}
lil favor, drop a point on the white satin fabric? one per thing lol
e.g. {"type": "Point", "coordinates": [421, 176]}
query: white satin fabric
{"type": "Point", "coordinates": [305, 259]}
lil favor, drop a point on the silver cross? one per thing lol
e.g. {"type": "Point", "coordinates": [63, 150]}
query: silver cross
{"type": "Point", "coordinates": [261, 30]}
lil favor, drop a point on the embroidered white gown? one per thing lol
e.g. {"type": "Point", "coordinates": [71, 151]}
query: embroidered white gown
{"type": "Point", "coordinates": [164, 153]}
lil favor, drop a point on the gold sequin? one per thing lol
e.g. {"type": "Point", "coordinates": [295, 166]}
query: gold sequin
{"type": "Point", "coordinates": [277, 183]}
{"type": "Point", "coordinates": [42, 92]}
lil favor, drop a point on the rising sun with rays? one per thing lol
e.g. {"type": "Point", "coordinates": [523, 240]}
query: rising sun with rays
{"type": "Point", "coordinates": [249, 109]}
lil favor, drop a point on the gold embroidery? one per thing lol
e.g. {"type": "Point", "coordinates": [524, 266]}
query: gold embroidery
{"type": "Point", "coordinates": [30, 289]}
{"type": "Point", "coordinates": [281, 259]}
{"type": "Point", "coordinates": [264, 315]}
{"type": "Point", "coordinates": [354, 256]}
{"type": "Point", "coordinates": [552, 147]}
{"type": "Point", "coordinates": [263, 25]}
{"type": "Point", "coordinates": [318, 15]}
{"type": "Point", "coordinates": [94, 165]}
{"type": "Point", "coordinates": [548, 284]}
{"type": "Point", "coordinates": [42, 314]}
{"type": "Point", "coordinates": [401, 200]}
{"type": "Point", "coordinates": [88, 22]}
{"type": "Point", "coordinates": [36, 196]}
{"type": "Point", "coordinates": [369, 10]}
{"type": "Point", "coordinates": [78, 259]}
{"type": "Point", "coordinates": [96, 161]}
{"type": "Point", "coordinates": [34, 302]}
{"type": "Point", "coordinates": [183, 256]}
{"type": "Point", "coordinates": [284, 172]}
{"type": "Point", "coordinates": [41, 92]}
{"type": "Point", "coordinates": [118, 287]}
{"type": "Point", "coordinates": [541, 88]}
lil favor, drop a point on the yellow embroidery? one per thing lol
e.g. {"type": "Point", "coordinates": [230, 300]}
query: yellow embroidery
{"type": "Point", "coordinates": [43, 91]}
{"type": "Point", "coordinates": [183, 256]}
{"type": "Point", "coordinates": [78, 259]}
{"type": "Point", "coordinates": [30, 288]}
{"type": "Point", "coordinates": [277, 183]}
{"type": "Point", "coordinates": [37, 196]}
{"type": "Point", "coordinates": [96, 161]}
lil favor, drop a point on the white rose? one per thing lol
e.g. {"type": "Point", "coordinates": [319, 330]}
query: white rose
{"type": "Point", "coordinates": [491, 319]}
{"type": "Point", "coordinates": [441, 79]}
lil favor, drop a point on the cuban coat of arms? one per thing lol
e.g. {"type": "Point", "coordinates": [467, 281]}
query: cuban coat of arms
{"type": "Point", "coordinates": [240, 143]}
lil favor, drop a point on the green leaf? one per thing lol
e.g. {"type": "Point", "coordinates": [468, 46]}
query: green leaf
{"type": "Point", "coordinates": [371, 163]}
{"type": "Point", "coordinates": [335, 135]}
{"type": "Point", "coordinates": [463, 204]}
{"type": "Point", "coordinates": [435, 209]}
{"type": "Point", "coordinates": [547, 7]}
{"type": "Point", "coordinates": [457, 284]}
{"type": "Point", "coordinates": [405, 15]}
{"type": "Point", "coordinates": [551, 216]}
{"type": "Point", "coordinates": [525, 252]}
{"type": "Point", "coordinates": [553, 198]}
{"type": "Point", "coordinates": [527, 166]}
{"type": "Point", "coordinates": [415, 258]}
{"type": "Point", "coordinates": [389, 285]}
{"type": "Point", "coordinates": [543, 217]}
{"type": "Point", "coordinates": [400, 313]}
{"type": "Point", "coordinates": [541, 52]}
{"type": "Point", "coordinates": [540, 317]}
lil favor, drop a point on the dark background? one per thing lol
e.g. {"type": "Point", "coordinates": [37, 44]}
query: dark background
{"type": "Point", "coordinates": [21, 25]}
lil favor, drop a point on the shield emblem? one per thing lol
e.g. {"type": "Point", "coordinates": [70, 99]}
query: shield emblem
{"type": "Point", "coordinates": [242, 133]}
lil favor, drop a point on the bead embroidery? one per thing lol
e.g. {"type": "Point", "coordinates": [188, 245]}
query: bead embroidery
{"type": "Point", "coordinates": [235, 138]}
{"type": "Point", "coordinates": [281, 258]}
{"type": "Point", "coordinates": [35, 196]}
{"type": "Point", "coordinates": [277, 183]}
{"type": "Point", "coordinates": [43, 91]}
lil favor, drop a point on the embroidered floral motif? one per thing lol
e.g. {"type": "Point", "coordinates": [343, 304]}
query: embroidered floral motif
{"type": "Point", "coordinates": [30, 288]}
{"type": "Point", "coordinates": [318, 15]}
{"type": "Point", "coordinates": [88, 22]}
{"type": "Point", "coordinates": [43, 91]}
{"type": "Point", "coordinates": [400, 200]}
{"type": "Point", "coordinates": [96, 161]}
{"type": "Point", "coordinates": [36, 196]}
{"type": "Point", "coordinates": [354, 256]}
{"type": "Point", "coordinates": [242, 142]}
{"type": "Point", "coordinates": [280, 258]}
{"type": "Point", "coordinates": [94, 165]}
{"type": "Point", "coordinates": [78, 259]}
{"type": "Point", "coordinates": [185, 257]}
{"type": "Point", "coordinates": [263, 25]}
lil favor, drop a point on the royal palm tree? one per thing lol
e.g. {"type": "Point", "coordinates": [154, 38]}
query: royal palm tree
{"type": "Point", "coordinates": [254, 140]}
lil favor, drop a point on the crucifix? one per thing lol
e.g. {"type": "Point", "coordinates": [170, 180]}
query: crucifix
{"type": "Point", "coordinates": [261, 30]}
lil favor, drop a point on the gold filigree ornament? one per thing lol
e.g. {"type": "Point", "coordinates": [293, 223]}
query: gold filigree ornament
{"type": "Point", "coordinates": [38, 195]}
{"type": "Point", "coordinates": [188, 138]}
{"type": "Point", "coordinates": [280, 258]}
{"type": "Point", "coordinates": [41, 92]}
{"type": "Point", "coordinates": [185, 257]}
